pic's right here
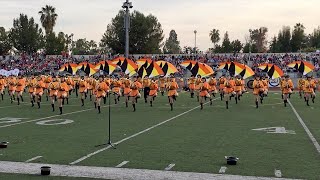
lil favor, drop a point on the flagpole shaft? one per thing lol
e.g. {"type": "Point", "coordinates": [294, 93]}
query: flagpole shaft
{"type": "Point", "coordinates": [109, 141]}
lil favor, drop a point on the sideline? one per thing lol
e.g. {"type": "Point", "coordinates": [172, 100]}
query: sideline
{"type": "Point", "coordinates": [116, 173]}
{"type": "Point", "coordinates": [312, 138]}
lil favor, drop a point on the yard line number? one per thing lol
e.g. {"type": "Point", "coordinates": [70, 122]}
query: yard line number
{"type": "Point", "coordinates": [50, 122]}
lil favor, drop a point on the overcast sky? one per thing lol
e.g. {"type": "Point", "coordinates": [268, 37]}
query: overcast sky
{"type": "Point", "coordinates": [89, 18]}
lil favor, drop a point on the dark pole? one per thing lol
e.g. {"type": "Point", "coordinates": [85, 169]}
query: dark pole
{"type": "Point", "coordinates": [109, 140]}
{"type": "Point", "coordinates": [127, 6]}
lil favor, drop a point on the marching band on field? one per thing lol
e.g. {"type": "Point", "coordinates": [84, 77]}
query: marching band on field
{"type": "Point", "coordinates": [97, 89]}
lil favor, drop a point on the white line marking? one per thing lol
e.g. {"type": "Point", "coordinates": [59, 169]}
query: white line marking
{"type": "Point", "coordinates": [278, 173]}
{"type": "Point", "coordinates": [134, 135]}
{"type": "Point", "coordinates": [122, 164]}
{"type": "Point", "coordinates": [170, 166]}
{"type": "Point", "coordinates": [222, 170]}
{"type": "Point", "coordinates": [32, 159]}
{"type": "Point", "coordinates": [267, 104]}
{"type": "Point", "coordinates": [314, 141]}
{"type": "Point", "coordinates": [115, 173]}
{"type": "Point", "coordinates": [74, 112]}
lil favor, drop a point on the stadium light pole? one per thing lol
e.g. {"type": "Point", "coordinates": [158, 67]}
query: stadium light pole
{"type": "Point", "coordinates": [127, 6]}
{"type": "Point", "coordinates": [195, 41]}
{"type": "Point", "coordinates": [250, 44]}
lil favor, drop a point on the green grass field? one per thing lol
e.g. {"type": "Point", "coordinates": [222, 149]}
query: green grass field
{"type": "Point", "coordinates": [195, 141]}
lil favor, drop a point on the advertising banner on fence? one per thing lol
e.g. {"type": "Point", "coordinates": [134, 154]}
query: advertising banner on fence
{"type": "Point", "coordinates": [274, 82]}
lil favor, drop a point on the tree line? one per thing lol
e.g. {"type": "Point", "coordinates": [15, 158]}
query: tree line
{"type": "Point", "coordinates": [146, 37]}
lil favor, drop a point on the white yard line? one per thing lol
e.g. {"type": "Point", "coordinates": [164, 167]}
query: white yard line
{"type": "Point", "coordinates": [169, 167]}
{"type": "Point", "coordinates": [122, 164]}
{"type": "Point", "coordinates": [74, 112]}
{"type": "Point", "coordinates": [222, 170]}
{"type": "Point", "coordinates": [278, 173]}
{"type": "Point", "coordinates": [312, 138]}
{"type": "Point", "coordinates": [116, 173]}
{"type": "Point", "coordinates": [267, 104]}
{"type": "Point", "coordinates": [34, 158]}
{"type": "Point", "coordinates": [134, 135]}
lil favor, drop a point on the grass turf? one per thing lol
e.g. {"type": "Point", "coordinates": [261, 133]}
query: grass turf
{"type": "Point", "coordinates": [196, 141]}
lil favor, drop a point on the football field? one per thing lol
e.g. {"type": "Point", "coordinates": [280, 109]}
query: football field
{"type": "Point", "coordinates": [271, 141]}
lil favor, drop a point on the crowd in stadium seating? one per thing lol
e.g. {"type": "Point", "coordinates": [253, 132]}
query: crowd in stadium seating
{"type": "Point", "coordinates": [39, 63]}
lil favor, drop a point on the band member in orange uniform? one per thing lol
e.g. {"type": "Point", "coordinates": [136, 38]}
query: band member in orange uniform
{"type": "Point", "coordinates": [2, 86]}
{"type": "Point", "coordinates": [134, 93]}
{"type": "Point", "coordinates": [315, 82]}
{"type": "Point", "coordinates": [287, 87]}
{"type": "Point", "coordinates": [213, 85]}
{"type": "Point", "coordinates": [90, 87]}
{"type": "Point", "coordinates": [281, 81]}
{"type": "Point", "coordinates": [309, 90]}
{"type": "Point", "coordinates": [265, 82]}
{"type": "Point", "coordinates": [12, 87]}
{"type": "Point", "coordinates": [172, 91]}
{"type": "Point", "coordinates": [222, 80]}
{"type": "Point", "coordinates": [107, 80]}
{"type": "Point", "coordinates": [258, 90]}
{"type": "Point", "coordinates": [21, 83]}
{"type": "Point", "coordinates": [94, 91]}
{"type": "Point", "coordinates": [146, 86]}
{"type": "Point", "coordinates": [62, 92]}
{"type": "Point", "coordinates": [153, 90]}
{"type": "Point", "coordinates": [32, 89]}
{"type": "Point", "coordinates": [116, 90]}
{"type": "Point", "coordinates": [101, 88]}
{"type": "Point", "coordinates": [204, 94]}
{"type": "Point", "coordinates": [238, 88]}
{"type": "Point", "coordinates": [162, 84]}
{"type": "Point", "coordinates": [300, 86]}
{"type": "Point", "coordinates": [47, 80]}
{"type": "Point", "coordinates": [126, 90]}
{"type": "Point", "coordinates": [192, 85]}
{"type": "Point", "coordinates": [197, 88]}
{"type": "Point", "coordinates": [83, 87]}
{"type": "Point", "coordinates": [39, 90]}
{"type": "Point", "coordinates": [53, 89]}
{"type": "Point", "coordinates": [228, 90]}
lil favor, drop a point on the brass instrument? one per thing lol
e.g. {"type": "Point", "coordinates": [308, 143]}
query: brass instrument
{"type": "Point", "coordinates": [133, 86]}
{"type": "Point", "coordinates": [228, 85]}
{"type": "Point", "coordinates": [238, 82]}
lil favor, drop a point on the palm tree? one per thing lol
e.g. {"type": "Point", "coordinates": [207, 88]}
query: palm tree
{"type": "Point", "coordinates": [48, 18]}
{"type": "Point", "coordinates": [214, 36]}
